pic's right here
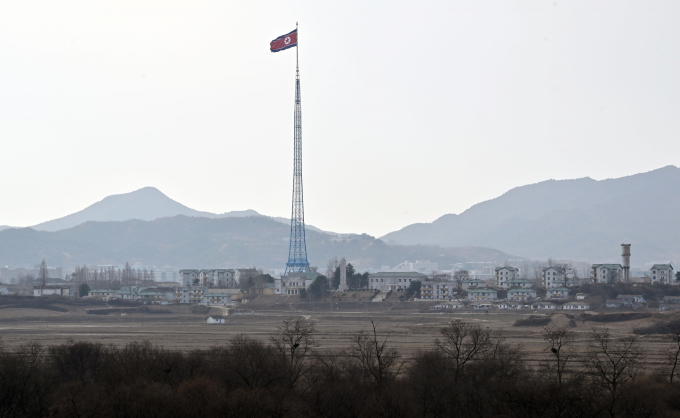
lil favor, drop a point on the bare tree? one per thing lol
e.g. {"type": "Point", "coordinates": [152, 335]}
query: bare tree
{"type": "Point", "coordinates": [672, 354]}
{"type": "Point", "coordinates": [459, 276]}
{"type": "Point", "coordinates": [558, 340]}
{"type": "Point", "coordinates": [463, 343]}
{"type": "Point", "coordinates": [294, 340]}
{"type": "Point", "coordinates": [612, 362]}
{"type": "Point", "coordinates": [377, 361]}
{"type": "Point", "coordinates": [331, 266]}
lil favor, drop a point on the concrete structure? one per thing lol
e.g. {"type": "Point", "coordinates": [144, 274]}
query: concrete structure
{"type": "Point", "coordinates": [521, 294]}
{"type": "Point", "coordinates": [545, 306]}
{"type": "Point", "coordinates": [394, 280]}
{"type": "Point", "coordinates": [581, 296]}
{"type": "Point", "coordinates": [625, 261]}
{"type": "Point", "coordinates": [192, 294]}
{"type": "Point", "coordinates": [342, 287]}
{"type": "Point", "coordinates": [606, 273]}
{"type": "Point", "coordinates": [482, 294]}
{"type": "Point", "coordinates": [218, 297]}
{"type": "Point", "coordinates": [187, 277]}
{"type": "Point", "coordinates": [437, 290]}
{"type": "Point", "coordinates": [505, 274]}
{"type": "Point", "coordinates": [103, 293]}
{"type": "Point", "coordinates": [663, 274]}
{"type": "Point", "coordinates": [510, 305]}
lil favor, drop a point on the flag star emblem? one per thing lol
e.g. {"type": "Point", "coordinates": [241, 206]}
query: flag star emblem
{"type": "Point", "coordinates": [287, 40]}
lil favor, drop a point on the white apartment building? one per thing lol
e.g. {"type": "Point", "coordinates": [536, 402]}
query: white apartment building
{"type": "Point", "coordinates": [293, 283]}
{"type": "Point", "coordinates": [420, 266]}
{"type": "Point", "coordinates": [663, 274]}
{"type": "Point", "coordinates": [554, 277]}
{"type": "Point", "coordinates": [606, 273]}
{"type": "Point", "coordinates": [504, 275]}
{"type": "Point", "coordinates": [394, 280]}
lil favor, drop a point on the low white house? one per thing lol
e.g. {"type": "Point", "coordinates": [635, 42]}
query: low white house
{"type": "Point", "coordinates": [576, 306]}
{"type": "Point", "coordinates": [510, 305]}
{"type": "Point", "coordinates": [581, 296]}
{"type": "Point", "coordinates": [521, 294]}
{"type": "Point", "coordinates": [216, 319]}
{"type": "Point", "coordinates": [545, 306]}
{"type": "Point", "coordinates": [663, 274]}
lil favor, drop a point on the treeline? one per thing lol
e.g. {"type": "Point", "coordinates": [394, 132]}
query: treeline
{"type": "Point", "coordinates": [471, 372]}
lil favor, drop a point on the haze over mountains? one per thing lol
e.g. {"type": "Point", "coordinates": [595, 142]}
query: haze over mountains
{"type": "Point", "coordinates": [201, 242]}
{"type": "Point", "coordinates": [581, 219]}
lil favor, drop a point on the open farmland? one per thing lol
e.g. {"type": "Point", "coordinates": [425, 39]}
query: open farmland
{"type": "Point", "coordinates": [181, 327]}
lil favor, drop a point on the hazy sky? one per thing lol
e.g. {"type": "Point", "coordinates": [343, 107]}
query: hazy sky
{"type": "Point", "coordinates": [410, 110]}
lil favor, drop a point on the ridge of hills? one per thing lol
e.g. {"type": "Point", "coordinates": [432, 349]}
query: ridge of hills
{"type": "Point", "coordinates": [200, 242]}
{"type": "Point", "coordinates": [145, 204]}
{"type": "Point", "coordinates": [580, 219]}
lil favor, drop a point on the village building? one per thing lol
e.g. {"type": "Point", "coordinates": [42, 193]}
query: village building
{"type": "Point", "coordinates": [468, 283]}
{"type": "Point", "coordinates": [663, 274]}
{"type": "Point", "coordinates": [52, 290]}
{"type": "Point", "coordinates": [606, 273]}
{"type": "Point", "coordinates": [216, 319]}
{"type": "Point", "coordinates": [555, 277]}
{"type": "Point", "coordinates": [294, 283]}
{"type": "Point", "coordinates": [505, 274]}
{"type": "Point", "coordinates": [576, 306]}
{"type": "Point", "coordinates": [543, 306]}
{"type": "Point", "coordinates": [394, 280]}
{"type": "Point", "coordinates": [437, 291]}
{"type": "Point", "coordinates": [521, 283]}
{"type": "Point", "coordinates": [521, 294]}
{"type": "Point", "coordinates": [510, 305]}
{"type": "Point", "coordinates": [557, 293]}
{"type": "Point", "coordinates": [482, 294]}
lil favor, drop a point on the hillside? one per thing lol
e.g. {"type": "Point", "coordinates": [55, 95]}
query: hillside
{"type": "Point", "coordinates": [192, 242]}
{"type": "Point", "coordinates": [145, 204]}
{"type": "Point", "coordinates": [580, 219]}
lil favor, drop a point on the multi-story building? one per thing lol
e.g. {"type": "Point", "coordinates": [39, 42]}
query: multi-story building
{"type": "Point", "coordinates": [437, 290]}
{"type": "Point", "coordinates": [293, 283]}
{"type": "Point", "coordinates": [606, 273]}
{"type": "Point", "coordinates": [505, 274]}
{"type": "Point", "coordinates": [394, 280]}
{"type": "Point", "coordinates": [192, 294]}
{"type": "Point", "coordinates": [187, 277]}
{"type": "Point", "coordinates": [663, 274]}
{"type": "Point", "coordinates": [472, 283]}
{"type": "Point", "coordinates": [554, 277]}
{"type": "Point", "coordinates": [521, 283]}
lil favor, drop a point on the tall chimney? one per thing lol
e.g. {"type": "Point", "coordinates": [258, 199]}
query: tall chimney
{"type": "Point", "coordinates": [625, 255]}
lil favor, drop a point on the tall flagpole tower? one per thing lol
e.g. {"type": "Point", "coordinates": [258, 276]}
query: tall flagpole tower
{"type": "Point", "coordinates": [297, 252]}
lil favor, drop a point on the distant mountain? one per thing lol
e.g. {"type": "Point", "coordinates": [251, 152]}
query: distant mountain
{"type": "Point", "coordinates": [581, 219]}
{"type": "Point", "coordinates": [4, 227]}
{"type": "Point", "coordinates": [144, 204]}
{"type": "Point", "coordinates": [200, 242]}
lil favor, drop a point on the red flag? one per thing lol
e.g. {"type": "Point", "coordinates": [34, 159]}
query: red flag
{"type": "Point", "coordinates": [286, 41]}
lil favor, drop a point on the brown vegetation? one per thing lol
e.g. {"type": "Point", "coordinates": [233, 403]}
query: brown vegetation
{"type": "Point", "coordinates": [471, 372]}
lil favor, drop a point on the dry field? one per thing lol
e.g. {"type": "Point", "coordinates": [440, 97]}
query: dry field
{"type": "Point", "coordinates": [411, 326]}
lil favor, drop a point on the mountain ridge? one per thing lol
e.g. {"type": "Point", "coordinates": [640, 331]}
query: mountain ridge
{"type": "Point", "coordinates": [146, 204]}
{"type": "Point", "coordinates": [554, 213]}
{"type": "Point", "coordinates": [199, 242]}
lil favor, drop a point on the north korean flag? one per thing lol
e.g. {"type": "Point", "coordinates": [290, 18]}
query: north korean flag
{"type": "Point", "coordinates": [286, 41]}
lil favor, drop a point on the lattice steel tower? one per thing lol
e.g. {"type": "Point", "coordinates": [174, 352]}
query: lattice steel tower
{"type": "Point", "coordinates": [297, 252]}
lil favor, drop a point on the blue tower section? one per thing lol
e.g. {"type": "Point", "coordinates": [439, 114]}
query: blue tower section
{"type": "Point", "coordinates": [297, 252]}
